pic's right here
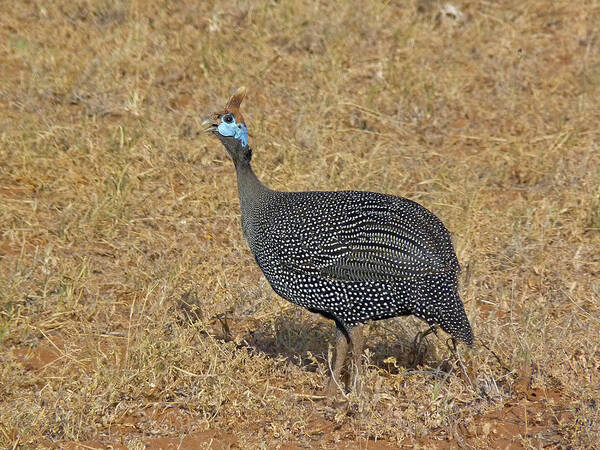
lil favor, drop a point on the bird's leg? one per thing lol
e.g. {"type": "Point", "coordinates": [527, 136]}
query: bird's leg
{"type": "Point", "coordinates": [341, 348]}
{"type": "Point", "coordinates": [357, 341]}
{"type": "Point", "coordinates": [418, 349]}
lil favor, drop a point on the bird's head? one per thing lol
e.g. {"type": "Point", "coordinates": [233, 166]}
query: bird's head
{"type": "Point", "coordinates": [228, 125]}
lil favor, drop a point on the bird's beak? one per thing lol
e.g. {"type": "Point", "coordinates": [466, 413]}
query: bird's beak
{"type": "Point", "coordinates": [210, 124]}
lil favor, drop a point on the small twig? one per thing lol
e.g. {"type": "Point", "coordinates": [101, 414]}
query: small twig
{"type": "Point", "coordinates": [5, 433]}
{"type": "Point", "coordinates": [192, 374]}
{"type": "Point", "coordinates": [311, 396]}
{"type": "Point", "coordinates": [495, 355]}
{"type": "Point", "coordinates": [87, 74]}
{"type": "Point", "coordinates": [62, 353]}
{"type": "Point", "coordinates": [477, 138]}
{"type": "Point", "coordinates": [579, 306]}
{"type": "Point", "coordinates": [113, 333]}
{"type": "Point", "coordinates": [460, 362]}
{"type": "Point", "coordinates": [222, 318]}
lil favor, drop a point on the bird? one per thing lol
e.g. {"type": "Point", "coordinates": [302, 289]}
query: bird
{"type": "Point", "coordinates": [350, 256]}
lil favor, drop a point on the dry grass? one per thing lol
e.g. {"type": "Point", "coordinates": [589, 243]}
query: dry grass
{"type": "Point", "coordinates": [131, 312]}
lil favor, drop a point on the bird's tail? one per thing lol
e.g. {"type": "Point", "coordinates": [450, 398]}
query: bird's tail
{"type": "Point", "coordinates": [448, 310]}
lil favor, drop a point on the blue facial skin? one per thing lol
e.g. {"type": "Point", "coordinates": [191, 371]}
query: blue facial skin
{"type": "Point", "coordinates": [229, 127]}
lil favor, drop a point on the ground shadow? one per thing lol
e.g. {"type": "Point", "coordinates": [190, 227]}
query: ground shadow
{"type": "Point", "coordinates": [305, 339]}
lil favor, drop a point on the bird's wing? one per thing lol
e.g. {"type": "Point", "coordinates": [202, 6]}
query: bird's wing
{"type": "Point", "coordinates": [375, 243]}
{"type": "Point", "coordinates": [387, 248]}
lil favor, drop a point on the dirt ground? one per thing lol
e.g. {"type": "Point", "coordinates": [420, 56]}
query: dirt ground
{"type": "Point", "coordinates": [132, 314]}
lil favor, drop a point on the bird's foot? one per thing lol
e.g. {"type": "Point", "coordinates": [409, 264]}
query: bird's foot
{"type": "Point", "coordinates": [419, 347]}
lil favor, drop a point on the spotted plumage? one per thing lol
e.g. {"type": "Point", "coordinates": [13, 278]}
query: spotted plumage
{"type": "Point", "coordinates": [351, 256]}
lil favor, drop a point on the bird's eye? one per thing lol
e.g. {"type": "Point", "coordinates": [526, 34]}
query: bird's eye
{"type": "Point", "coordinates": [227, 118]}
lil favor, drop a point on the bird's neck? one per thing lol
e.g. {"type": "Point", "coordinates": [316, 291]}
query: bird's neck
{"type": "Point", "coordinates": [250, 188]}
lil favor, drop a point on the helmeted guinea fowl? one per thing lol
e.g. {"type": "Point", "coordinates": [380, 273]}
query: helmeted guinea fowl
{"type": "Point", "coordinates": [351, 256]}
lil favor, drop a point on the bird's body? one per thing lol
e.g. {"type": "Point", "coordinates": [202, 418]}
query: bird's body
{"type": "Point", "coordinates": [351, 256]}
